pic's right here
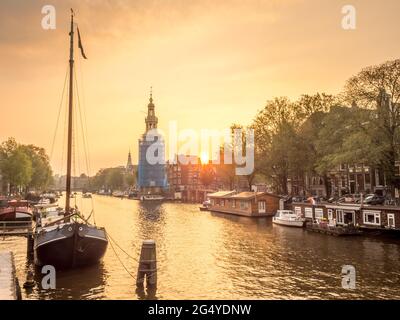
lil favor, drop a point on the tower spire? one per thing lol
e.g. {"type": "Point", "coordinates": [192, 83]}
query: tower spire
{"type": "Point", "coordinates": [151, 94]}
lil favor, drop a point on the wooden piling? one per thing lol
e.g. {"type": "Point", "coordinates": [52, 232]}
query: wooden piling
{"type": "Point", "coordinates": [147, 265]}
{"type": "Point", "coordinates": [29, 246]}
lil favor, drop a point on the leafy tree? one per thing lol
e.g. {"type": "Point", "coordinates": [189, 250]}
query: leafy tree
{"type": "Point", "coordinates": [130, 179]}
{"type": "Point", "coordinates": [377, 88]}
{"type": "Point", "coordinates": [16, 168]}
{"type": "Point", "coordinates": [276, 141]}
{"type": "Point", "coordinates": [41, 169]}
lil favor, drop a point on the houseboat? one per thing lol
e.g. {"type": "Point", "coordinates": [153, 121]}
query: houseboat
{"type": "Point", "coordinates": [350, 216]}
{"type": "Point", "coordinates": [250, 204]}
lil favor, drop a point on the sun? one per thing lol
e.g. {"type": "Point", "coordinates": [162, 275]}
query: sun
{"type": "Point", "coordinates": [204, 157]}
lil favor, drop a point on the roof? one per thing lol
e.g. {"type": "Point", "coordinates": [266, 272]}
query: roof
{"type": "Point", "coordinates": [241, 195]}
{"type": "Point", "coordinates": [221, 194]}
{"type": "Point", "coordinates": [247, 195]}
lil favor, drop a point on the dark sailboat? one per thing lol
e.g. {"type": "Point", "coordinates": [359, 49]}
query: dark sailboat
{"type": "Point", "coordinates": [68, 240]}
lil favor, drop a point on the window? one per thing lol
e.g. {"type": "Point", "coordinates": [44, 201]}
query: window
{"type": "Point", "coordinates": [261, 206]}
{"type": "Point", "coordinates": [243, 205]}
{"type": "Point", "coordinates": [308, 212]}
{"type": "Point", "coordinates": [330, 214]}
{"type": "Point", "coordinates": [222, 202]}
{"type": "Point", "coordinates": [390, 219]}
{"type": "Point", "coordinates": [233, 203]}
{"type": "Point", "coordinates": [372, 217]}
{"type": "Point", "coordinates": [319, 213]}
{"type": "Point", "coordinates": [339, 216]}
{"type": "Point", "coordinates": [297, 211]}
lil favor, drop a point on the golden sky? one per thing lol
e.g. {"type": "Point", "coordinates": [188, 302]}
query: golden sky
{"type": "Point", "coordinates": [211, 63]}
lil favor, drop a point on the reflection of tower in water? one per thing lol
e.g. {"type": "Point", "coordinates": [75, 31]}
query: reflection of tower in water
{"type": "Point", "coordinates": [151, 220]}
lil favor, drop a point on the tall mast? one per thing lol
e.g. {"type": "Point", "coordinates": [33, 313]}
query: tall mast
{"type": "Point", "coordinates": [70, 114]}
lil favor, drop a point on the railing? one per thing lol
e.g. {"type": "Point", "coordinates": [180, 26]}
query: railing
{"type": "Point", "coordinates": [15, 228]}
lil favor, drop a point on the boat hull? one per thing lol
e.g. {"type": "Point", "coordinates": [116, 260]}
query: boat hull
{"type": "Point", "coordinates": [70, 245]}
{"type": "Point", "coordinates": [288, 223]}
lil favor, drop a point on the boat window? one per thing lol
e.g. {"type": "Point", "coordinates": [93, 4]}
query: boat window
{"type": "Point", "coordinates": [308, 212]}
{"type": "Point", "coordinates": [372, 217]}
{"type": "Point", "coordinates": [319, 213]}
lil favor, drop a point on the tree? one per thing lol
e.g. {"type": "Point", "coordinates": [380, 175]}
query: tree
{"type": "Point", "coordinates": [115, 178]}
{"type": "Point", "coordinates": [314, 109]}
{"type": "Point", "coordinates": [377, 88]}
{"type": "Point", "coordinates": [130, 179]}
{"type": "Point", "coordinates": [276, 143]}
{"type": "Point", "coordinates": [16, 168]}
{"type": "Point", "coordinates": [41, 169]}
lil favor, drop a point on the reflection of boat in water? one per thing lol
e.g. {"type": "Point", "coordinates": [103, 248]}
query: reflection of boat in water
{"type": "Point", "coordinates": [288, 218]}
{"type": "Point", "coordinates": [64, 238]}
{"type": "Point", "coordinates": [152, 197]}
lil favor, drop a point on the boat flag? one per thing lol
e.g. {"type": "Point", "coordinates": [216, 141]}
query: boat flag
{"type": "Point", "coordinates": [80, 45]}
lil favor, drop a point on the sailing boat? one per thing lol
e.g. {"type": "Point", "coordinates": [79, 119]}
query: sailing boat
{"type": "Point", "coordinates": [65, 239]}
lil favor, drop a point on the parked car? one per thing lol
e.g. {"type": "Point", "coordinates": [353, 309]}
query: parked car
{"type": "Point", "coordinates": [374, 199]}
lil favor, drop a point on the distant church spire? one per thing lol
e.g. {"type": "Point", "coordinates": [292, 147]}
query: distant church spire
{"type": "Point", "coordinates": [129, 165]}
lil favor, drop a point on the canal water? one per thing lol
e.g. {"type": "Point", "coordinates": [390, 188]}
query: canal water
{"type": "Point", "coordinates": [202, 255]}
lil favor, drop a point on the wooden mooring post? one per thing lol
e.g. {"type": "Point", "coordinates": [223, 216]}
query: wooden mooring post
{"type": "Point", "coordinates": [9, 286]}
{"type": "Point", "coordinates": [147, 265]}
{"type": "Point", "coordinates": [29, 246]}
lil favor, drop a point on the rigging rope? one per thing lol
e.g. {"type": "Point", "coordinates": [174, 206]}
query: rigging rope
{"type": "Point", "coordinates": [58, 116]}
{"type": "Point", "coordinates": [119, 259]}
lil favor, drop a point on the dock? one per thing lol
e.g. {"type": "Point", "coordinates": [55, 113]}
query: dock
{"type": "Point", "coordinates": [9, 287]}
{"type": "Point", "coordinates": [334, 231]}
{"type": "Point", "coordinates": [16, 228]}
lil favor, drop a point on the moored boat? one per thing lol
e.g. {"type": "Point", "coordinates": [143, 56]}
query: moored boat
{"type": "Point", "coordinates": [206, 206]}
{"type": "Point", "coordinates": [15, 210]}
{"type": "Point", "coordinates": [288, 218]}
{"type": "Point", "coordinates": [63, 237]}
{"type": "Point", "coordinates": [151, 197]}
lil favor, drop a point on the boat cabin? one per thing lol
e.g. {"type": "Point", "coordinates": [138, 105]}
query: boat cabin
{"type": "Point", "coordinates": [251, 204]}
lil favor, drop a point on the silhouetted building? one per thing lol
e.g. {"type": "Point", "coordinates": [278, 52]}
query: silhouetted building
{"type": "Point", "coordinates": [129, 166]}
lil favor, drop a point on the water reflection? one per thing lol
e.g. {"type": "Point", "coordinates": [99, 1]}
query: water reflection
{"type": "Point", "coordinates": [82, 283]}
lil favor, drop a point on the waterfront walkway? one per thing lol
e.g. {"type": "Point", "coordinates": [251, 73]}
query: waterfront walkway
{"type": "Point", "coordinates": [9, 289]}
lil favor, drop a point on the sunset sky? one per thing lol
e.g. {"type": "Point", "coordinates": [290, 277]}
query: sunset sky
{"type": "Point", "coordinates": [211, 63]}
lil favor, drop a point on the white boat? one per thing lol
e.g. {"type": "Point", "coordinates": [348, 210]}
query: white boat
{"type": "Point", "coordinates": [152, 197]}
{"type": "Point", "coordinates": [118, 194]}
{"type": "Point", "coordinates": [288, 218]}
